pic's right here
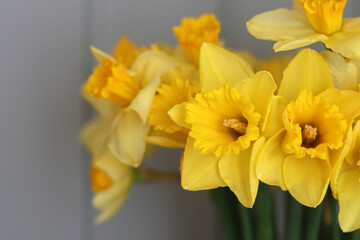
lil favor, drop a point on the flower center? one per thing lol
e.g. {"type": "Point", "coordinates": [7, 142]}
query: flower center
{"type": "Point", "coordinates": [324, 15]}
{"type": "Point", "coordinates": [112, 82]}
{"type": "Point", "coordinates": [192, 33]}
{"type": "Point", "coordinates": [309, 136]}
{"type": "Point", "coordinates": [237, 125]}
{"type": "Point", "coordinates": [223, 121]}
{"type": "Point", "coordinates": [313, 126]}
{"type": "Point", "coordinates": [100, 181]}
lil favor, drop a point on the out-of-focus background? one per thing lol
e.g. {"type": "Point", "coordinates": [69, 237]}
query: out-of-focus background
{"type": "Point", "coordinates": [44, 59]}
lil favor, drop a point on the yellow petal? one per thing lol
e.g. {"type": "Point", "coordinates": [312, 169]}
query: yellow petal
{"type": "Point", "coordinates": [238, 172]}
{"type": "Point", "coordinates": [142, 103]}
{"type": "Point", "coordinates": [284, 26]}
{"type": "Point", "coordinates": [308, 70]}
{"type": "Point", "coordinates": [307, 179]}
{"type": "Point", "coordinates": [337, 157]}
{"type": "Point", "coordinates": [169, 140]}
{"type": "Point", "coordinates": [110, 210]}
{"type": "Point", "coordinates": [94, 134]}
{"type": "Point", "coordinates": [199, 171]}
{"type": "Point", "coordinates": [127, 142]}
{"type": "Point", "coordinates": [100, 55]}
{"type": "Point", "coordinates": [344, 74]}
{"type": "Point", "coordinates": [347, 101]}
{"type": "Point", "coordinates": [105, 108]}
{"type": "Point", "coordinates": [349, 200]}
{"type": "Point", "coordinates": [178, 113]}
{"type": "Point", "coordinates": [262, 84]}
{"type": "Point", "coordinates": [154, 64]}
{"type": "Point", "coordinates": [302, 41]}
{"type": "Point", "coordinates": [219, 67]}
{"type": "Point", "coordinates": [352, 155]}
{"type": "Point", "coordinates": [273, 120]}
{"type": "Point", "coordinates": [347, 40]}
{"type": "Point", "coordinates": [125, 50]}
{"type": "Point", "coordinates": [270, 161]}
{"type": "Point", "coordinates": [299, 11]}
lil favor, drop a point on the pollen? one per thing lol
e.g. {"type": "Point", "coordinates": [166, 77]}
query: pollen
{"type": "Point", "coordinates": [192, 33]}
{"type": "Point", "coordinates": [324, 15]}
{"type": "Point", "coordinates": [309, 135]}
{"type": "Point", "coordinates": [237, 125]}
{"type": "Point", "coordinates": [112, 82]}
{"type": "Point", "coordinates": [100, 181]}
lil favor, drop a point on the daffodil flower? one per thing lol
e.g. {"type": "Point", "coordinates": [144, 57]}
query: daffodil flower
{"type": "Point", "coordinates": [111, 181]}
{"type": "Point", "coordinates": [128, 94]}
{"type": "Point", "coordinates": [348, 185]}
{"type": "Point", "coordinates": [165, 131]}
{"type": "Point", "coordinates": [225, 121]}
{"type": "Point", "coordinates": [192, 33]}
{"type": "Point", "coordinates": [311, 142]}
{"type": "Point", "coordinates": [308, 22]}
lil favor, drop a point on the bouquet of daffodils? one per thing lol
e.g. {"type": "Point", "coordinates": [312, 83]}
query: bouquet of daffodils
{"type": "Point", "coordinates": [246, 125]}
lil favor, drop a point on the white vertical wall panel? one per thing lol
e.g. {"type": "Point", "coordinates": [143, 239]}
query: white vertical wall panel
{"type": "Point", "coordinates": [41, 64]}
{"type": "Point", "coordinates": [153, 211]}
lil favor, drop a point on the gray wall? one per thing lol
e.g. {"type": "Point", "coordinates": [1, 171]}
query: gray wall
{"type": "Point", "coordinates": [44, 58]}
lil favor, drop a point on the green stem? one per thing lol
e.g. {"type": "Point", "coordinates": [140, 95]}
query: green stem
{"type": "Point", "coordinates": [313, 222]}
{"type": "Point", "coordinates": [294, 219]}
{"type": "Point", "coordinates": [245, 215]}
{"type": "Point", "coordinates": [264, 214]}
{"type": "Point", "coordinates": [223, 199]}
{"type": "Point", "coordinates": [355, 235]}
{"type": "Point", "coordinates": [335, 229]}
{"type": "Point", "coordinates": [146, 174]}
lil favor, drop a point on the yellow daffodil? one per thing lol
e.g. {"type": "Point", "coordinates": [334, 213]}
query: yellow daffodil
{"type": "Point", "coordinates": [192, 33]}
{"type": "Point", "coordinates": [308, 22]}
{"type": "Point", "coordinates": [111, 181]}
{"type": "Point", "coordinates": [131, 93]}
{"type": "Point", "coordinates": [348, 185]}
{"type": "Point", "coordinates": [312, 140]}
{"type": "Point", "coordinates": [345, 73]}
{"type": "Point", "coordinates": [165, 131]}
{"type": "Point", "coordinates": [225, 121]}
